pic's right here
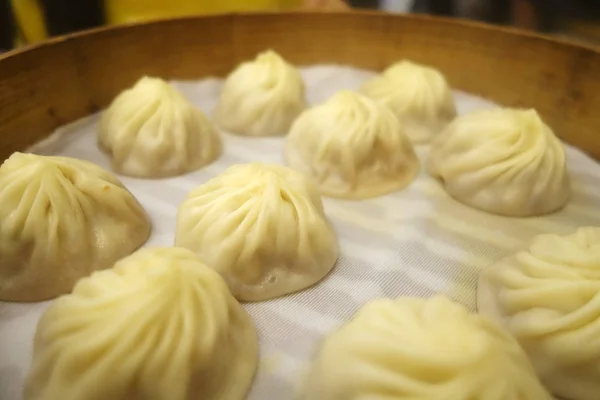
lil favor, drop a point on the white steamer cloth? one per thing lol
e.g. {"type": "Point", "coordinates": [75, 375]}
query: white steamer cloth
{"type": "Point", "coordinates": [414, 243]}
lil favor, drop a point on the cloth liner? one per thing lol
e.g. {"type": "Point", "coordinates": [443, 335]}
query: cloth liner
{"type": "Point", "coordinates": [415, 242]}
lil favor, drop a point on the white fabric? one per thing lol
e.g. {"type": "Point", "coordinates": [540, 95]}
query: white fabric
{"type": "Point", "coordinates": [414, 243]}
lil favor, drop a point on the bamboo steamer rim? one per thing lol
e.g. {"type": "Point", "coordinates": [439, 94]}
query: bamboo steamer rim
{"type": "Point", "coordinates": [48, 84]}
{"type": "Point", "coordinates": [509, 30]}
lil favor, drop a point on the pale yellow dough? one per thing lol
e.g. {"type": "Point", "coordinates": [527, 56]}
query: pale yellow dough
{"type": "Point", "coordinates": [160, 325]}
{"type": "Point", "coordinates": [262, 227]}
{"type": "Point", "coordinates": [421, 349]}
{"type": "Point", "coordinates": [503, 161]}
{"type": "Point", "coordinates": [261, 97]}
{"type": "Point", "coordinates": [60, 220]}
{"type": "Point", "coordinates": [419, 96]}
{"type": "Point", "coordinates": [352, 147]}
{"type": "Point", "coordinates": [152, 131]}
{"type": "Point", "coordinates": [548, 297]}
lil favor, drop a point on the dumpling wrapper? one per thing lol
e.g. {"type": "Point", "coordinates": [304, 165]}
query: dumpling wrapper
{"type": "Point", "coordinates": [262, 227]}
{"type": "Point", "coordinates": [548, 298]}
{"type": "Point", "coordinates": [503, 161]}
{"type": "Point", "coordinates": [261, 97]}
{"type": "Point", "coordinates": [352, 147]}
{"type": "Point", "coordinates": [418, 95]}
{"type": "Point", "coordinates": [160, 325]}
{"type": "Point", "coordinates": [60, 220]}
{"type": "Point", "coordinates": [425, 349]}
{"type": "Point", "coordinates": [152, 131]}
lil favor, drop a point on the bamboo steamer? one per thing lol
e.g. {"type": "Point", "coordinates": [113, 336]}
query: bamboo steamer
{"type": "Point", "coordinates": [49, 84]}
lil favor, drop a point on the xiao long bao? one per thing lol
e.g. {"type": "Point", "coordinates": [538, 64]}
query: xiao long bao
{"type": "Point", "coordinates": [428, 349]}
{"type": "Point", "coordinates": [262, 227]}
{"type": "Point", "coordinates": [152, 131]}
{"type": "Point", "coordinates": [503, 161]}
{"type": "Point", "coordinates": [261, 97]}
{"type": "Point", "coordinates": [418, 95]}
{"type": "Point", "coordinates": [160, 325]}
{"type": "Point", "coordinates": [60, 220]}
{"type": "Point", "coordinates": [548, 297]}
{"type": "Point", "coordinates": [352, 147]}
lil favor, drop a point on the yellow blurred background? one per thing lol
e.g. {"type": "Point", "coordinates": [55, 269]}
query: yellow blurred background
{"type": "Point", "coordinates": [31, 20]}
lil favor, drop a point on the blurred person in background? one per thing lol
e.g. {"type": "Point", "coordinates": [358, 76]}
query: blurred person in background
{"type": "Point", "coordinates": [6, 26]}
{"type": "Point", "coordinates": [530, 14]}
{"type": "Point", "coordinates": [573, 18]}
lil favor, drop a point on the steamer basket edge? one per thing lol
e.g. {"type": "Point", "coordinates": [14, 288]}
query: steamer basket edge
{"type": "Point", "coordinates": [53, 83]}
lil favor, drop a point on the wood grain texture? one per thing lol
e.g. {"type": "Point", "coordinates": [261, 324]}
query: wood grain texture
{"type": "Point", "coordinates": [50, 84]}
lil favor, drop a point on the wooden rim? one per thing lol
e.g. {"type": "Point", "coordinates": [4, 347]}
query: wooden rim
{"type": "Point", "coordinates": [457, 21]}
{"type": "Point", "coordinates": [48, 84]}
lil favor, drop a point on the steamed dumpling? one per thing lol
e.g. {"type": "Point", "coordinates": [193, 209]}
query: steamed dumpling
{"type": "Point", "coordinates": [352, 147]}
{"type": "Point", "coordinates": [421, 349]}
{"type": "Point", "coordinates": [60, 220]}
{"type": "Point", "coordinates": [152, 131]}
{"type": "Point", "coordinates": [261, 97]}
{"type": "Point", "coordinates": [418, 95]}
{"type": "Point", "coordinates": [503, 161]}
{"type": "Point", "coordinates": [160, 325]}
{"type": "Point", "coordinates": [548, 297]}
{"type": "Point", "coordinates": [262, 227]}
